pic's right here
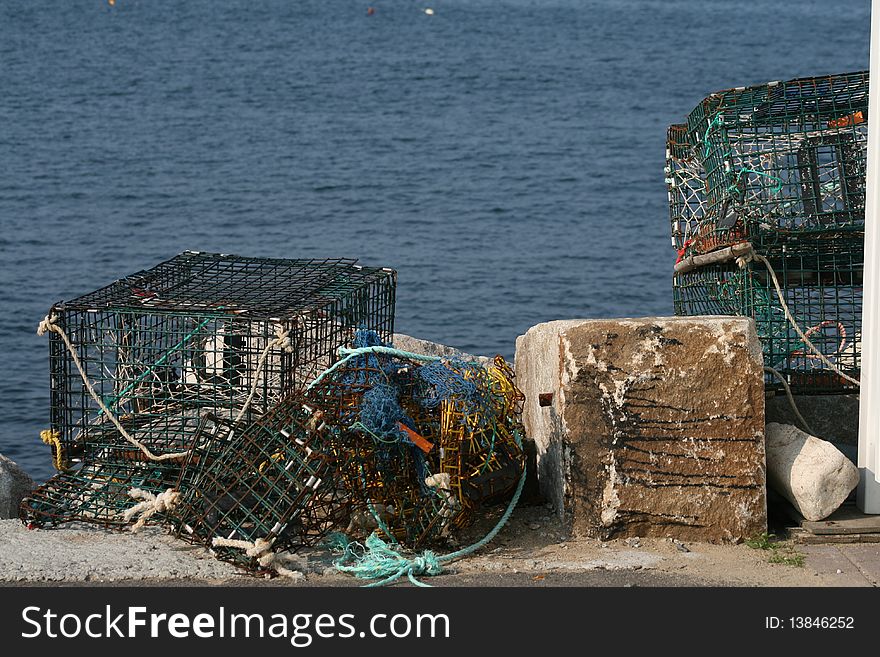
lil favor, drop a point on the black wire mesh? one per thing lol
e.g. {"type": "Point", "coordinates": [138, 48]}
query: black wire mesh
{"type": "Point", "coordinates": [196, 336]}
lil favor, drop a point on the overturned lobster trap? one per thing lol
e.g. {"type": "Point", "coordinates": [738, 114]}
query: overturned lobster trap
{"type": "Point", "coordinates": [383, 444]}
{"type": "Point", "coordinates": [766, 195]}
{"type": "Point", "coordinates": [141, 367]}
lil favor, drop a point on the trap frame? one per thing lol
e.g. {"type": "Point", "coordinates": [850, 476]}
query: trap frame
{"type": "Point", "coordinates": [778, 171]}
{"type": "Point", "coordinates": [200, 334]}
{"type": "Point", "coordinates": [769, 162]}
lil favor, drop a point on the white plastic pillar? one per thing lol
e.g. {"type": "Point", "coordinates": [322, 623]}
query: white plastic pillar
{"type": "Point", "coordinates": [869, 407]}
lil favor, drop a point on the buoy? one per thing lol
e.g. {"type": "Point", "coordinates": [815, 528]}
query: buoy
{"type": "Point", "coordinates": [429, 11]}
{"type": "Point", "coordinates": [111, 2]}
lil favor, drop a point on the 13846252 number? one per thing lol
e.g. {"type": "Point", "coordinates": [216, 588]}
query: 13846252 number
{"type": "Point", "coordinates": [821, 622]}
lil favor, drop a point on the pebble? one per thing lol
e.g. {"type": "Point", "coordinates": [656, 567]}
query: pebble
{"type": "Point", "coordinates": [839, 571]}
{"type": "Point", "coordinates": [633, 542]}
{"type": "Point", "coordinates": [534, 526]}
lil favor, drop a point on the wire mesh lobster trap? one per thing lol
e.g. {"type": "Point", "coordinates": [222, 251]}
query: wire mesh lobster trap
{"type": "Point", "coordinates": [136, 366]}
{"type": "Point", "coordinates": [271, 481]}
{"type": "Point", "coordinates": [773, 177]}
{"type": "Point", "coordinates": [422, 445]}
{"type": "Point", "coordinates": [768, 162]}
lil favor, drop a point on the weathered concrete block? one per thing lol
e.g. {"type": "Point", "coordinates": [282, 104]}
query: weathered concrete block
{"type": "Point", "coordinates": [648, 427]}
{"type": "Point", "coordinates": [811, 473]}
{"type": "Point", "coordinates": [427, 348]}
{"type": "Point", "coordinates": [15, 484]}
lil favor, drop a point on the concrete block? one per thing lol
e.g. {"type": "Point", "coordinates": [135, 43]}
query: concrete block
{"type": "Point", "coordinates": [15, 484]}
{"type": "Point", "coordinates": [648, 427]}
{"type": "Point", "coordinates": [811, 473]}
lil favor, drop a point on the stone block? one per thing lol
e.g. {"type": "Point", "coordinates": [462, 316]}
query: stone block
{"type": "Point", "coordinates": [648, 427]}
{"type": "Point", "coordinates": [15, 484]}
{"type": "Point", "coordinates": [810, 473]}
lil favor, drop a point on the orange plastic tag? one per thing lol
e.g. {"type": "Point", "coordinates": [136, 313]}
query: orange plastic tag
{"type": "Point", "coordinates": [844, 121]}
{"type": "Point", "coordinates": [418, 441]}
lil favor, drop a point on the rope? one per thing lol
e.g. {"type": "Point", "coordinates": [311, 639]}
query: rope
{"type": "Point", "coordinates": [348, 354]}
{"type": "Point", "coordinates": [151, 505]}
{"type": "Point", "coordinates": [53, 439]}
{"type": "Point", "coordinates": [742, 261]}
{"type": "Point", "coordinates": [49, 325]}
{"type": "Point", "coordinates": [261, 550]}
{"type": "Point", "coordinates": [381, 562]}
{"type": "Point", "coordinates": [778, 375]}
{"type": "Point", "coordinates": [282, 341]}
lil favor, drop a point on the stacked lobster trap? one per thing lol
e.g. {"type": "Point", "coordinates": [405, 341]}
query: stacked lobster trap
{"type": "Point", "coordinates": [254, 406]}
{"type": "Point", "coordinates": [767, 198]}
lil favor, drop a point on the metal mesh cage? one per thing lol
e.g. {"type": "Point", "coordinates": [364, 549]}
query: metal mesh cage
{"type": "Point", "coordinates": [767, 162]}
{"type": "Point", "coordinates": [776, 170]}
{"type": "Point", "coordinates": [167, 344]}
{"type": "Point", "coordinates": [821, 282]}
{"type": "Point", "coordinates": [97, 492]}
{"type": "Point", "coordinates": [197, 336]}
{"type": "Point", "coordinates": [270, 481]}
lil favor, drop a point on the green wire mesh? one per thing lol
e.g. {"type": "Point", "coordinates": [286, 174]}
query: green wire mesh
{"type": "Point", "coordinates": [766, 162]}
{"type": "Point", "coordinates": [265, 481]}
{"type": "Point", "coordinates": [821, 281]}
{"type": "Point", "coordinates": [780, 166]}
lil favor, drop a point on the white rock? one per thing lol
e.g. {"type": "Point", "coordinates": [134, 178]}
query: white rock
{"type": "Point", "coordinates": [811, 473]}
{"type": "Point", "coordinates": [15, 484]}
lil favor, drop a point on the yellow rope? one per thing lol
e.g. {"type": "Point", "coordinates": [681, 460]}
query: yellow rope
{"type": "Point", "coordinates": [53, 439]}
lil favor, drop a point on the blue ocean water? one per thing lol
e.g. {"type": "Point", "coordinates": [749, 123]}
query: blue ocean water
{"type": "Point", "coordinates": [505, 156]}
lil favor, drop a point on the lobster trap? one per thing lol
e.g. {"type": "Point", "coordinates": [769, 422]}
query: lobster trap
{"type": "Point", "coordinates": [769, 162]}
{"type": "Point", "coordinates": [776, 170]}
{"type": "Point", "coordinates": [137, 366]}
{"type": "Point", "coordinates": [271, 481]}
{"type": "Point", "coordinates": [821, 285]}
{"type": "Point", "coordinates": [421, 445]}
{"type": "Point", "coordinates": [190, 336]}
{"type": "Point", "coordinates": [97, 492]}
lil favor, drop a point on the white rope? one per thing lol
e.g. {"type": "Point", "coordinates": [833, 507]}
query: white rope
{"type": "Point", "coordinates": [742, 261]}
{"type": "Point", "coordinates": [282, 341]}
{"type": "Point", "coordinates": [151, 505]}
{"type": "Point", "coordinates": [49, 324]}
{"type": "Point", "coordinates": [261, 550]}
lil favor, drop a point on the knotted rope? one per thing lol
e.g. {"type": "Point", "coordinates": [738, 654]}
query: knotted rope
{"type": "Point", "coordinates": [382, 562]}
{"type": "Point", "coordinates": [751, 255]}
{"type": "Point", "coordinates": [53, 439]}
{"type": "Point", "coordinates": [151, 505]}
{"type": "Point", "coordinates": [261, 550]}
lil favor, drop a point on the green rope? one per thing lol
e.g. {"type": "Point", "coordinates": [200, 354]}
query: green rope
{"type": "Point", "coordinates": [378, 561]}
